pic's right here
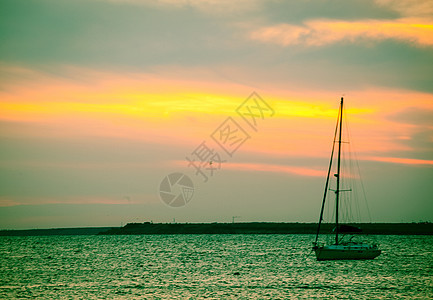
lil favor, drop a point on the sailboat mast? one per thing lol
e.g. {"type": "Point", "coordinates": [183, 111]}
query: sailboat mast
{"type": "Point", "coordinates": [327, 181]}
{"type": "Point", "coordinates": [337, 191]}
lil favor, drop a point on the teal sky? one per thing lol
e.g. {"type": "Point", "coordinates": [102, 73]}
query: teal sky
{"type": "Point", "coordinates": [100, 99]}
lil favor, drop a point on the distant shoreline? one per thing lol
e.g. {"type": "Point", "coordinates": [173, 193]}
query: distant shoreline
{"type": "Point", "coordinates": [147, 228]}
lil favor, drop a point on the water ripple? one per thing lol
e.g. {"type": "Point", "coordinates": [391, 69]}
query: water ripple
{"type": "Point", "coordinates": [207, 266]}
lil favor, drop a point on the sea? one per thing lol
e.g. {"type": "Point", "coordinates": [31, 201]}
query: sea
{"type": "Point", "coordinates": [208, 267]}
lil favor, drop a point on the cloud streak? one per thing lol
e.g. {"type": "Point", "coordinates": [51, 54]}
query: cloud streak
{"type": "Point", "coordinates": [409, 7]}
{"type": "Point", "coordinates": [22, 200]}
{"type": "Point", "coordinates": [401, 160]}
{"type": "Point", "coordinates": [418, 32]}
{"type": "Point", "coordinates": [206, 6]}
{"type": "Point", "coordinates": [261, 167]}
{"type": "Point", "coordinates": [300, 171]}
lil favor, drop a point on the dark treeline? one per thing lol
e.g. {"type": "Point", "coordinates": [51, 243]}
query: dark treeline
{"type": "Point", "coordinates": [228, 228]}
{"type": "Point", "coordinates": [267, 228]}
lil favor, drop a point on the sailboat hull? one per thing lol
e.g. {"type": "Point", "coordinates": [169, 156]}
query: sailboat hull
{"type": "Point", "coordinates": [343, 252]}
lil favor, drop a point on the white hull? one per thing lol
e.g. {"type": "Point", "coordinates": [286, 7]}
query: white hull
{"type": "Point", "coordinates": [341, 252]}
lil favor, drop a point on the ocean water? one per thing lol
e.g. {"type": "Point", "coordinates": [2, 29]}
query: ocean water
{"type": "Point", "coordinates": [208, 266]}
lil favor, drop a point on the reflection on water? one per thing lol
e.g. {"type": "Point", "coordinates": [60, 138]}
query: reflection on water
{"type": "Point", "coordinates": [208, 266]}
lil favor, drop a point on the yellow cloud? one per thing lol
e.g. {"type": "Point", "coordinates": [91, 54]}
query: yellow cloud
{"type": "Point", "coordinates": [166, 110]}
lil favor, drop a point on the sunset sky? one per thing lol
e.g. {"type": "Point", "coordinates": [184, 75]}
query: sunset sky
{"type": "Point", "coordinates": [101, 99]}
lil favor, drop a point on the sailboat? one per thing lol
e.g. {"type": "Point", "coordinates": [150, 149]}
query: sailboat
{"type": "Point", "coordinates": [341, 248]}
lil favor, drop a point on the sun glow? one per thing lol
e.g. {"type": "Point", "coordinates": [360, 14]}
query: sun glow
{"type": "Point", "coordinates": [167, 110]}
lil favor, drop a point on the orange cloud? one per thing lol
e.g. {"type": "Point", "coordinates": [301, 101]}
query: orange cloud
{"type": "Point", "coordinates": [323, 32]}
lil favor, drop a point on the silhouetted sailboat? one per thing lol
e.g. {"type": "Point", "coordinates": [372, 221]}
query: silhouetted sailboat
{"type": "Point", "coordinates": [341, 248]}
